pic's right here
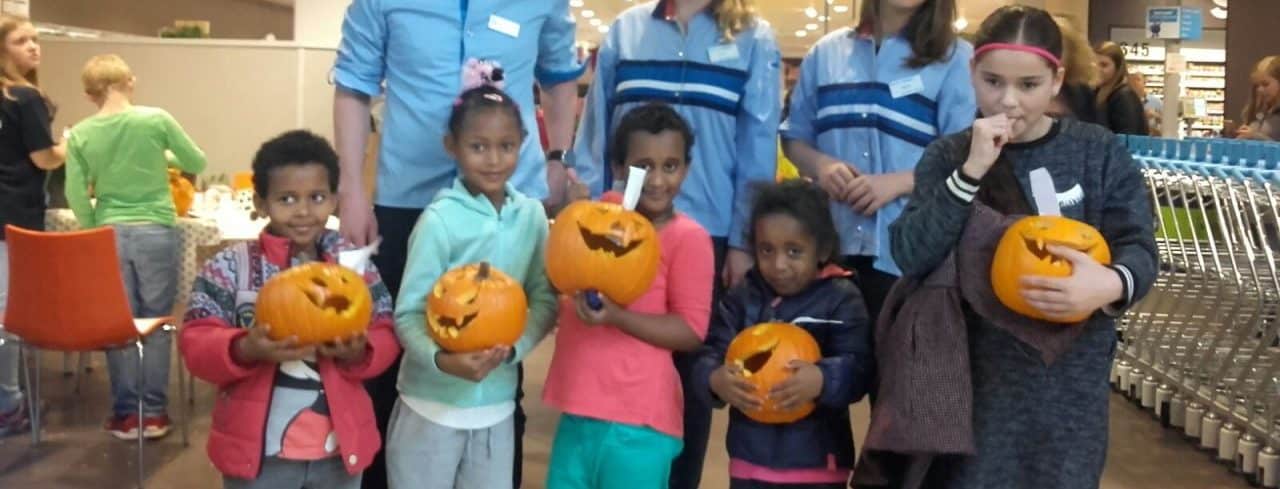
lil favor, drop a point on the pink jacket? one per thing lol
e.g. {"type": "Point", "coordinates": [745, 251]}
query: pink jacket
{"type": "Point", "coordinates": [236, 437]}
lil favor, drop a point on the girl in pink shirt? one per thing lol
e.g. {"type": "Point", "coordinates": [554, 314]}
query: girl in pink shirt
{"type": "Point", "coordinates": [612, 374]}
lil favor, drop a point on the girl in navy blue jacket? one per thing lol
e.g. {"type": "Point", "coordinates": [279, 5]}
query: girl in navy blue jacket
{"type": "Point", "coordinates": [795, 244]}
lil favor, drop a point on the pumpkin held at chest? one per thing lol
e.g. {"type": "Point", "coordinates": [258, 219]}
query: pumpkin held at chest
{"type": "Point", "coordinates": [604, 247]}
{"type": "Point", "coordinates": [476, 307]}
{"type": "Point", "coordinates": [315, 302]}
{"type": "Point", "coordinates": [763, 352]}
{"type": "Point", "coordinates": [1023, 251]}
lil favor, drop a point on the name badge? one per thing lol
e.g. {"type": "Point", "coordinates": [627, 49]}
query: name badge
{"type": "Point", "coordinates": [723, 52]}
{"type": "Point", "coordinates": [906, 86]}
{"type": "Point", "coordinates": [504, 25]}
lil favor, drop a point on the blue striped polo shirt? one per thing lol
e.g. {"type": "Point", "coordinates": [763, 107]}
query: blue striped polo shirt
{"type": "Point", "coordinates": [728, 91]}
{"type": "Point", "coordinates": [867, 108]}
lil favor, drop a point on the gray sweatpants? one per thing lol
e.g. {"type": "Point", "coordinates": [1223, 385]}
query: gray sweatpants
{"type": "Point", "coordinates": [425, 455]}
{"type": "Point", "coordinates": [292, 474]}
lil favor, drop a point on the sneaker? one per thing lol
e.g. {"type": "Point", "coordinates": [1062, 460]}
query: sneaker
{"type": "Point", "coordinates": [15, 421]}
{"type": "Point", "coordinates": [123, 427]}
{"type": "Point", "coordinates": [154, 427]}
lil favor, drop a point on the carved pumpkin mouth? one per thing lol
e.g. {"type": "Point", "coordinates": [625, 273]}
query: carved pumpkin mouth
{"type": "Point", "coordinates": [321, 298]}
{"type": "Point", "coordinates": [614, 243]}
{"type": "Point", "coordinates": [1039, 248]}
{"type": "Point", "coordinates": [451, 326]}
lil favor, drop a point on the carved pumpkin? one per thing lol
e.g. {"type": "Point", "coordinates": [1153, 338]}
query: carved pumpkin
{"type": "Point", "coordinates": [604, 247]}
{"type": "Point", "coordinates": [763, 352]}
{"type": "Point", "coordinates": [476, 307]}
{"type": "Point", "coordinates": [1023, 251]}
{"type": "Point", "coordinates": [182, 191]}
{"type": "Point", "coordinates": [316, 302]}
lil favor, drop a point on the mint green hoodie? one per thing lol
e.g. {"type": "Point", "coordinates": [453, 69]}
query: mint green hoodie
{"type": "Point", "coordinates": [458, 229]}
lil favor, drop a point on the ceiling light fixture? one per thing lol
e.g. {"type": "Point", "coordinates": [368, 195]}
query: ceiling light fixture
{"type": "Point", "coordinates": [810, 12]}
{"type": "Point", "coordinates": [840, 9]}
{"type": "Point", "coordinates": [604, 29]}
{"type": "Point", "coordinates": [812, 27]}
{"type": "Point", "coordinates": [802, 33]}
{"type": "Point", "coordinates": [587, 14]}
{"type": "Point", "coordinates": [961, 23]}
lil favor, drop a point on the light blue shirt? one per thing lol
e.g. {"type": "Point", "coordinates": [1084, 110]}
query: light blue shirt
{"type": "Point", "coordinates": [418, 48]}
{"type": "Point", "coordinates": [728, 92]}
{"type": "Point", "coordinates": [873, 112]}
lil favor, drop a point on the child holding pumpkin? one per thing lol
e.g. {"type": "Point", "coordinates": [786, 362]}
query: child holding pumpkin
{"type": "Point", "coordinates": [272, 424]}
{"type": "Point", "coordinates": [453, 425]}
{"type": "Point", "coordinates": [795, 280]}
{"type": "Point", "coordinates": [1039, 389]}
{"type": "Point", "coordinates": [119, 153]}
{"type": "Point", "coordinates": [612, 374]}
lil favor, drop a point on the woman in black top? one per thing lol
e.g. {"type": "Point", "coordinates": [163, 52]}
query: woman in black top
{"type": "Point", "coordinates": [1119, 109]}
{"type": "Point", "coordinates": [27, 151]}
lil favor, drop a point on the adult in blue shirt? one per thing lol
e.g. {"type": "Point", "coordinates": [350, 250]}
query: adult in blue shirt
{"type": "Point", "coordinates": [718, 65]}
{"type": "Point", "coordinates": [416, 50]}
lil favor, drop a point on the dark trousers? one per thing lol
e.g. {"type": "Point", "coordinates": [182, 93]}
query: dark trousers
{"type": "Point", "coordinates": [686, 469]}
{"type": "Point", "coordinates": [754, 484]}
{"type": "Point", "coordinates": [873, 283]}
{"type": "Point", "coordinates": [395, 224]}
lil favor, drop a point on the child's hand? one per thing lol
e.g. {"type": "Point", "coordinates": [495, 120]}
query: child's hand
{"type": "Point", "coordinates": [1090, 287]}
{"type": "Point", "coordinates": [835, 178]}
{"type": "Point", "coordinates": [607, 314]}
{"type": "Point", "coordinates": [258, 347]}
{"type": "Point", "coordinates": [350, 350]}
{"type": "Point", "coordinates": [473, 366]}
{"type": "Point", "coordinates": [990, 134]}
{"type": "Point", "coordinates": [804, 385]}
{"type": "Point", "coordinates": [731, 387]}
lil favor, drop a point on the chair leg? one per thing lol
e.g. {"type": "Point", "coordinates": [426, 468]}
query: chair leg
{"type": "Point", "coordinates": [33, 400]}
{"type": "Point", "coordinates": [142, 374]}
{"type": "Point", "coordinates": [81, 368]}
{"type": "Point", "coordinates": [66, 364]}
{"type": "Point", "coordinates": [185, 407]}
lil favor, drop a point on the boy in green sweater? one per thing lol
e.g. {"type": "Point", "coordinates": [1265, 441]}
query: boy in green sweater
{"type": "Point", "coordinates": [118, 155]}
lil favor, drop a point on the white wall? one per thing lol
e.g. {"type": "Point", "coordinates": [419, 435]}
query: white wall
{"type": "Point", "coordinates": [319, 22]}
{"type": "Point", "coordinates": [230, 96]}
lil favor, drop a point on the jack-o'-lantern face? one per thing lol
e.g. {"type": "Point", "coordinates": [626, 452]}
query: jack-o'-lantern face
{"type": "Point", "coordinates": [315, 302]}
{"type": "Point", "coordinates": [476, 307]}
{"type": "Point", "coordinates": [1023, 251]}
{"type": "Point", "coordinates": [763, 352]}
{"type": "Point", "coordinates": [602, 246]}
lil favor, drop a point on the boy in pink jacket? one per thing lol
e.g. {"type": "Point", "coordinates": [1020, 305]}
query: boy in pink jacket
{"type": "Point", "coordinates": [286, 417]}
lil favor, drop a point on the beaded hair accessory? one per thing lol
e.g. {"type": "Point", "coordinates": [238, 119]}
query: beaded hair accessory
{"type": "Point", "coordinates": [478, 73]}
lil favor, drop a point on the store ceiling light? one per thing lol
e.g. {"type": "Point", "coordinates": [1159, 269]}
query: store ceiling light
{"type": "Point", "coordinates": [840, 9]}
{"type": "Point", "coordinates": [961, 23]}
{"type": "Point", "coordinates": [810, 12]}
{"type": "Point", "coordinates": [812, 27]}
{"type": "Point", "coordinates": [604, 29]}
{"type": "Point", "coordinates": [802, 33]}
{"type": "Point", "coordinates": [1218, 13]}
{"type": "Point", "coordinates": [1220, 3]}
{"type": "Point", "coordinates": [587, 14]}
{"type": "Point", "coordinates": [596, 22]}
{"type": "Point", "coordinates": [575, 3]}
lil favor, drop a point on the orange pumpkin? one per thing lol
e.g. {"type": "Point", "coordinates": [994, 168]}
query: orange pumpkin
{"type": "Point", "coordinates": [1023, 251]}
{"type": "Point", "coordinates": [476, 307]}
{"type": "Point", "coordinates": [604, 247]}
{"type": "Point", "coordinates": [763, 352]}
{"type": "Point", "coordinates": [316, 302]}
{"type": "Point", "coordinates": [182, 191]}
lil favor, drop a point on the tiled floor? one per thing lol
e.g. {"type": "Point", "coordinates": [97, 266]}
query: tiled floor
{"type": "Point", "coordinates": [76, 453]}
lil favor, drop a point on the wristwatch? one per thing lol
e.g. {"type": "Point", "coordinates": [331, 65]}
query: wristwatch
{"type": "Point", "coordinates": [556, 155]}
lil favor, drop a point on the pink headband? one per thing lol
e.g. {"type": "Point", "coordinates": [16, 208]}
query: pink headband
{"type": "Point", "coordinates": [1019, 47]}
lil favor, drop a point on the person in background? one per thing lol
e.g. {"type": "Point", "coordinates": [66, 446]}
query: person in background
{"type": "Point", "coordinates": [1262, 115]}
{"type": "Point", "coordinates": [869, 99]}
{"type": "Point", "coordinates": [1076, 98]}
{"type": "Point", "coordinates": [718, 65]}
{"type": "Point", "coordinates": [27, 152]}
{"type": "Point", "coordinates": [416, 49]}
{"type": "Point", "coordinates": [1119, 108]}
{"type": "Point", "coordinates": [1152, 106]}
{"type": "Point", "coordinates": [119, 153]}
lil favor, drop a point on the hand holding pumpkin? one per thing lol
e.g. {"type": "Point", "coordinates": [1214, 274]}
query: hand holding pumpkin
{"type": "Point", "coordinates": [728, 383]}
{"type": "Point", "coordinates": [349, 350]}
{"type": "Point", "coordinates": [1090, 287]}
{"type": "Point", "coordinates": [608, 313]}
{"type": "Point", "coordinates": [804, 385]}
{"type": "Point", "coordinates": [257, 346]}
{"type": "Point", "coordinates": [473, 366]}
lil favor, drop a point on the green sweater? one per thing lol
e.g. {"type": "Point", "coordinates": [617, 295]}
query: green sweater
{"type": "Point", "coordinates": [122, 157]}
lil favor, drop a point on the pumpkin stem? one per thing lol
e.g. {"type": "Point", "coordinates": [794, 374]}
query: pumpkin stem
{"type": "Point", "coordinates": [483, 274]}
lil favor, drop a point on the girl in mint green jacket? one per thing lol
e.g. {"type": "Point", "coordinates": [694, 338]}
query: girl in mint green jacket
{"type": "Point", "coordinates": [453, 424]}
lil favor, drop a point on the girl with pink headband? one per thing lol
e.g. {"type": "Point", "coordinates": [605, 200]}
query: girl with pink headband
{"type": "Point", "coordinates": [1038, 390]}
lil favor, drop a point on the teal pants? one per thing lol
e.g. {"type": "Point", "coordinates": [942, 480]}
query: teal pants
{"type": "Point", "coordinates": [593, 454]}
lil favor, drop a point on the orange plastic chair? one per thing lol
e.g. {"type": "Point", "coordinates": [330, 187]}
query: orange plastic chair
{"type": "Point", "coordinates": [66, 294]}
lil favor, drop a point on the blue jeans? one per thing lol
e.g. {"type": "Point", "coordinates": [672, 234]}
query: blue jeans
{"type": "Point", "coordinates": [149, 264]}
{"type": "Point", "coordinates": [10, 395]}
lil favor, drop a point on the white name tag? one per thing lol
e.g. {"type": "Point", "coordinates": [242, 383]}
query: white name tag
{"type": "Point", "coordinates": [504, 25]}
{"type": "Point", "coordinates": [723, 52]}
{"type": "Point", "coordinates": [906, 86]}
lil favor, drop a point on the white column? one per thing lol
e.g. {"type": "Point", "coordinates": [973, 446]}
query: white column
{"type": "Point", "coordinates": [319, 22]}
